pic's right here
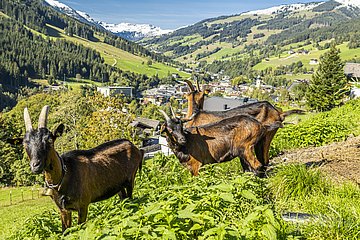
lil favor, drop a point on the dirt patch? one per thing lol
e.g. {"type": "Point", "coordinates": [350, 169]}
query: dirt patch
{"type": "Point", "coordinates": [340, 161]}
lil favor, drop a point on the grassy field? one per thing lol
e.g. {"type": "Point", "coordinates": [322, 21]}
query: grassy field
{"type": "Point", "coordinates": [15, 215]}
{"type": "Point", "coordinates": [72, 83]}
{"type": "Point", "coordinates": [124, 60]}
{"type": "Point", "coordinates": [287, 59]}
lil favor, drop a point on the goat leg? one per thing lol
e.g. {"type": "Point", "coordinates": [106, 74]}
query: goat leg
{"type": "Point", "coordinates": [65, 219]}
{"type": "Point", "coordinates": [82, 214]}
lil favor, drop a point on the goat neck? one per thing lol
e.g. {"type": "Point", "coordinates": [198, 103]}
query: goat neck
{"type": "Point", "coordinates": [54, 171]}
{"type": "Point", "coordinates": [192, 106]}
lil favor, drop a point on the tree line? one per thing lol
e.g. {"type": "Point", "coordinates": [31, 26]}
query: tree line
{"type": "Point", "coordinates": [27, 55]}
{"type": "Point", "coordinates": [35, 15]}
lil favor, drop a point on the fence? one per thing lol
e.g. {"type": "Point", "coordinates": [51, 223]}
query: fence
{"type": "Point", "coordinates": [12, 196]}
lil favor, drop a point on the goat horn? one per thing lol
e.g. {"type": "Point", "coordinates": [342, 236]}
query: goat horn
{"type": "Point", "coordinates": [43, 117]}
{"type": "Point", "coordinates": [27, 120]}
{"type": "Point", "coordinates": [191, 86]}
{"type": "Point", "coordinates": [172, 112]}
{"type": "Point", "coordinates": [165, 115]}
{"type": "Point", "coordinates": [198, 85]}
{"type": "Point", "coordinates": [184, 120]}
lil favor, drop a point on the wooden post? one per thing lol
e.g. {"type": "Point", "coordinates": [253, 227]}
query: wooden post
{"type": "Point", "coordinates": [10, 198]}
{"type": "Point", "coordinates": [32, 193]}
{"type": "Point", "coordinates": [22, 195]}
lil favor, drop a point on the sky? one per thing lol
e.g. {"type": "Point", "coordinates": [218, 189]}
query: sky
{"type": "Point", "coordinates": [168, 14]}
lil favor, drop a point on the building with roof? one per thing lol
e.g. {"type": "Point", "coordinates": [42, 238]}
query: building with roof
{"type": "Point", "coordinates": [146, 125]}
{"type": "Point", "coordinates": [222, 104]}
{"type": "Point", "coordinates": [352, 70]}
{"type": "Point", "coordinates": [116, 90]}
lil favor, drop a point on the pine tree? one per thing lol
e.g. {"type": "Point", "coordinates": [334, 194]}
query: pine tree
{"type": "Point", "coordinates": [326, 87]}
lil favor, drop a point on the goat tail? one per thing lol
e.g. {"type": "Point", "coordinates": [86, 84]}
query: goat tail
{"type": "Point", "coordinates": [142, 152]}
{"type": "Point", "coordinates": [290, 112]}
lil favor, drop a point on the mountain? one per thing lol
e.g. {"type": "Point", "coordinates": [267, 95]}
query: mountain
{"type": "Point", "coordinates": [129, 31]}
{"type": "Point", "coordinates": [264, 31]}
{"type": "Point", "coordinates": [134, 32]}
{"type": "Point", "coordinates": [81, 16]}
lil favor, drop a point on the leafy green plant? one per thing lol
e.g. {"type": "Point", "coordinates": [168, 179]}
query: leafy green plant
{"type": "Point", "coordinates": [171, 204]}
{"type": "Point", "coordinates": [323, 128]}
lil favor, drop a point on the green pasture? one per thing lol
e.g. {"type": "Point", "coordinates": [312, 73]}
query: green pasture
{"type": "Point", "coordinates": [124, 60]}
{"type": "Point", "coordinates": [25, 203]}
{"type": "Point", "coordinates": [287, 59]}
{"type": "Point", "coordinates": [71, 83]}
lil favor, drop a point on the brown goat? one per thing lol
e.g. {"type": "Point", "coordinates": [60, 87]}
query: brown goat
{"type": "Point", "coordinates": [80, 177]}
{"type": "Point", "coordinates": [216, 142]}
{"type": "Point", "coordinates": [263, 111]}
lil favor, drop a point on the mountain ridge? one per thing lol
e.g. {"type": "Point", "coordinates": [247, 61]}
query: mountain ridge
{"type": "Point", "coordinates": [129, 31]}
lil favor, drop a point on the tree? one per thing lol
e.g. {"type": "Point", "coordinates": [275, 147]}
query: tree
{"type": "Point", "coordinates": [327, 84]}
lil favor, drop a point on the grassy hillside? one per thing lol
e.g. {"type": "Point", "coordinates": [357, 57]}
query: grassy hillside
{"type": "Point", "coordinates": [115, 56]}
{"type": "Point", "coordinates": [222, 203]}
{"type": "Point", "coordinates": [264, 35]}
{"type": "Point", "coordinates": [287, 59]}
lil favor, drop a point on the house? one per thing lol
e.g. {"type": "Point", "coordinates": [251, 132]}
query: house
{"type": "Point", "coordinates": [175, 75]}
{"type": "Point", "coordinates": [116, 90]}
{"type": "Point", "coordinates": [146, 125]}
{"type": "Point", "coordinates": [313, 61]}
{"type": "Point", "coordinates": [352, 70]}
{"type": "Point", "coordinates": [222, 104]}
{"type": "Point", "coordinates": [355, 92]}
{"type": "Point", "coordinates": [303, 51]}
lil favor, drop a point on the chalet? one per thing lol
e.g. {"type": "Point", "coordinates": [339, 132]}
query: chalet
{"type": "Point", "coordinates": [303, 51]}
{"type": "Point", "coordinates": [146, 125]}
{"type": "Point", "coordinates": [291, 52]}
{"type": "Point", "coordinates": [175, 75]}
{"type": "Point", "coordinates": [116, 90]}
{"type": "Point", "coordinates": [313, 61]}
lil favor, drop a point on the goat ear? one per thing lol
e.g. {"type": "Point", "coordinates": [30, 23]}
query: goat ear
{"type": "Point", "coordinates": [59, 131]}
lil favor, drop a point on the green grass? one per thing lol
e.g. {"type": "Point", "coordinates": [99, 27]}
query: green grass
{"type": "Point", "coordinates": [287, 59]}
{"type": "Point", "coordinates": [221, 203]}
{"type": "Point", "coordinates": [306, 190]}
{"type": "Point", "coordinates": [319, 129]}
{"type": "Point", "coordinates": [73, 83]}
{"type": "Point", "coordinates": [14, 216]}
{"type": "Point", "coordinates": [125, 60]}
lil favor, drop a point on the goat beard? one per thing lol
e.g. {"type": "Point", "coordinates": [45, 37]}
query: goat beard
{"type": "Point", "coordinates": [180, 151]}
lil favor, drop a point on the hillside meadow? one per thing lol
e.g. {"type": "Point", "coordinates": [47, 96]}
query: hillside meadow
{"type": "Point", "coordinates": [222, 202]}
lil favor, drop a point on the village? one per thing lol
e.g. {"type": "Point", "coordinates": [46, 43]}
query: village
{"type": "Point", "coordinates": [222, 96]}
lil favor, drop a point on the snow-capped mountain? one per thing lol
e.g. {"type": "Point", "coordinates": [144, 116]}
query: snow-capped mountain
{"type": "Point", "coordinates": [353, 3]}
{"type": "Point", "coordinates": [63, 8]}
{"type": "Point", "coordinates": [302, 7]}
{"type": "Point", "coordinates": [285, 8]}
{"type": "Point", "coordinates": [134, 31]}
{"type": "Point", "coordinates": [129, 31]}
